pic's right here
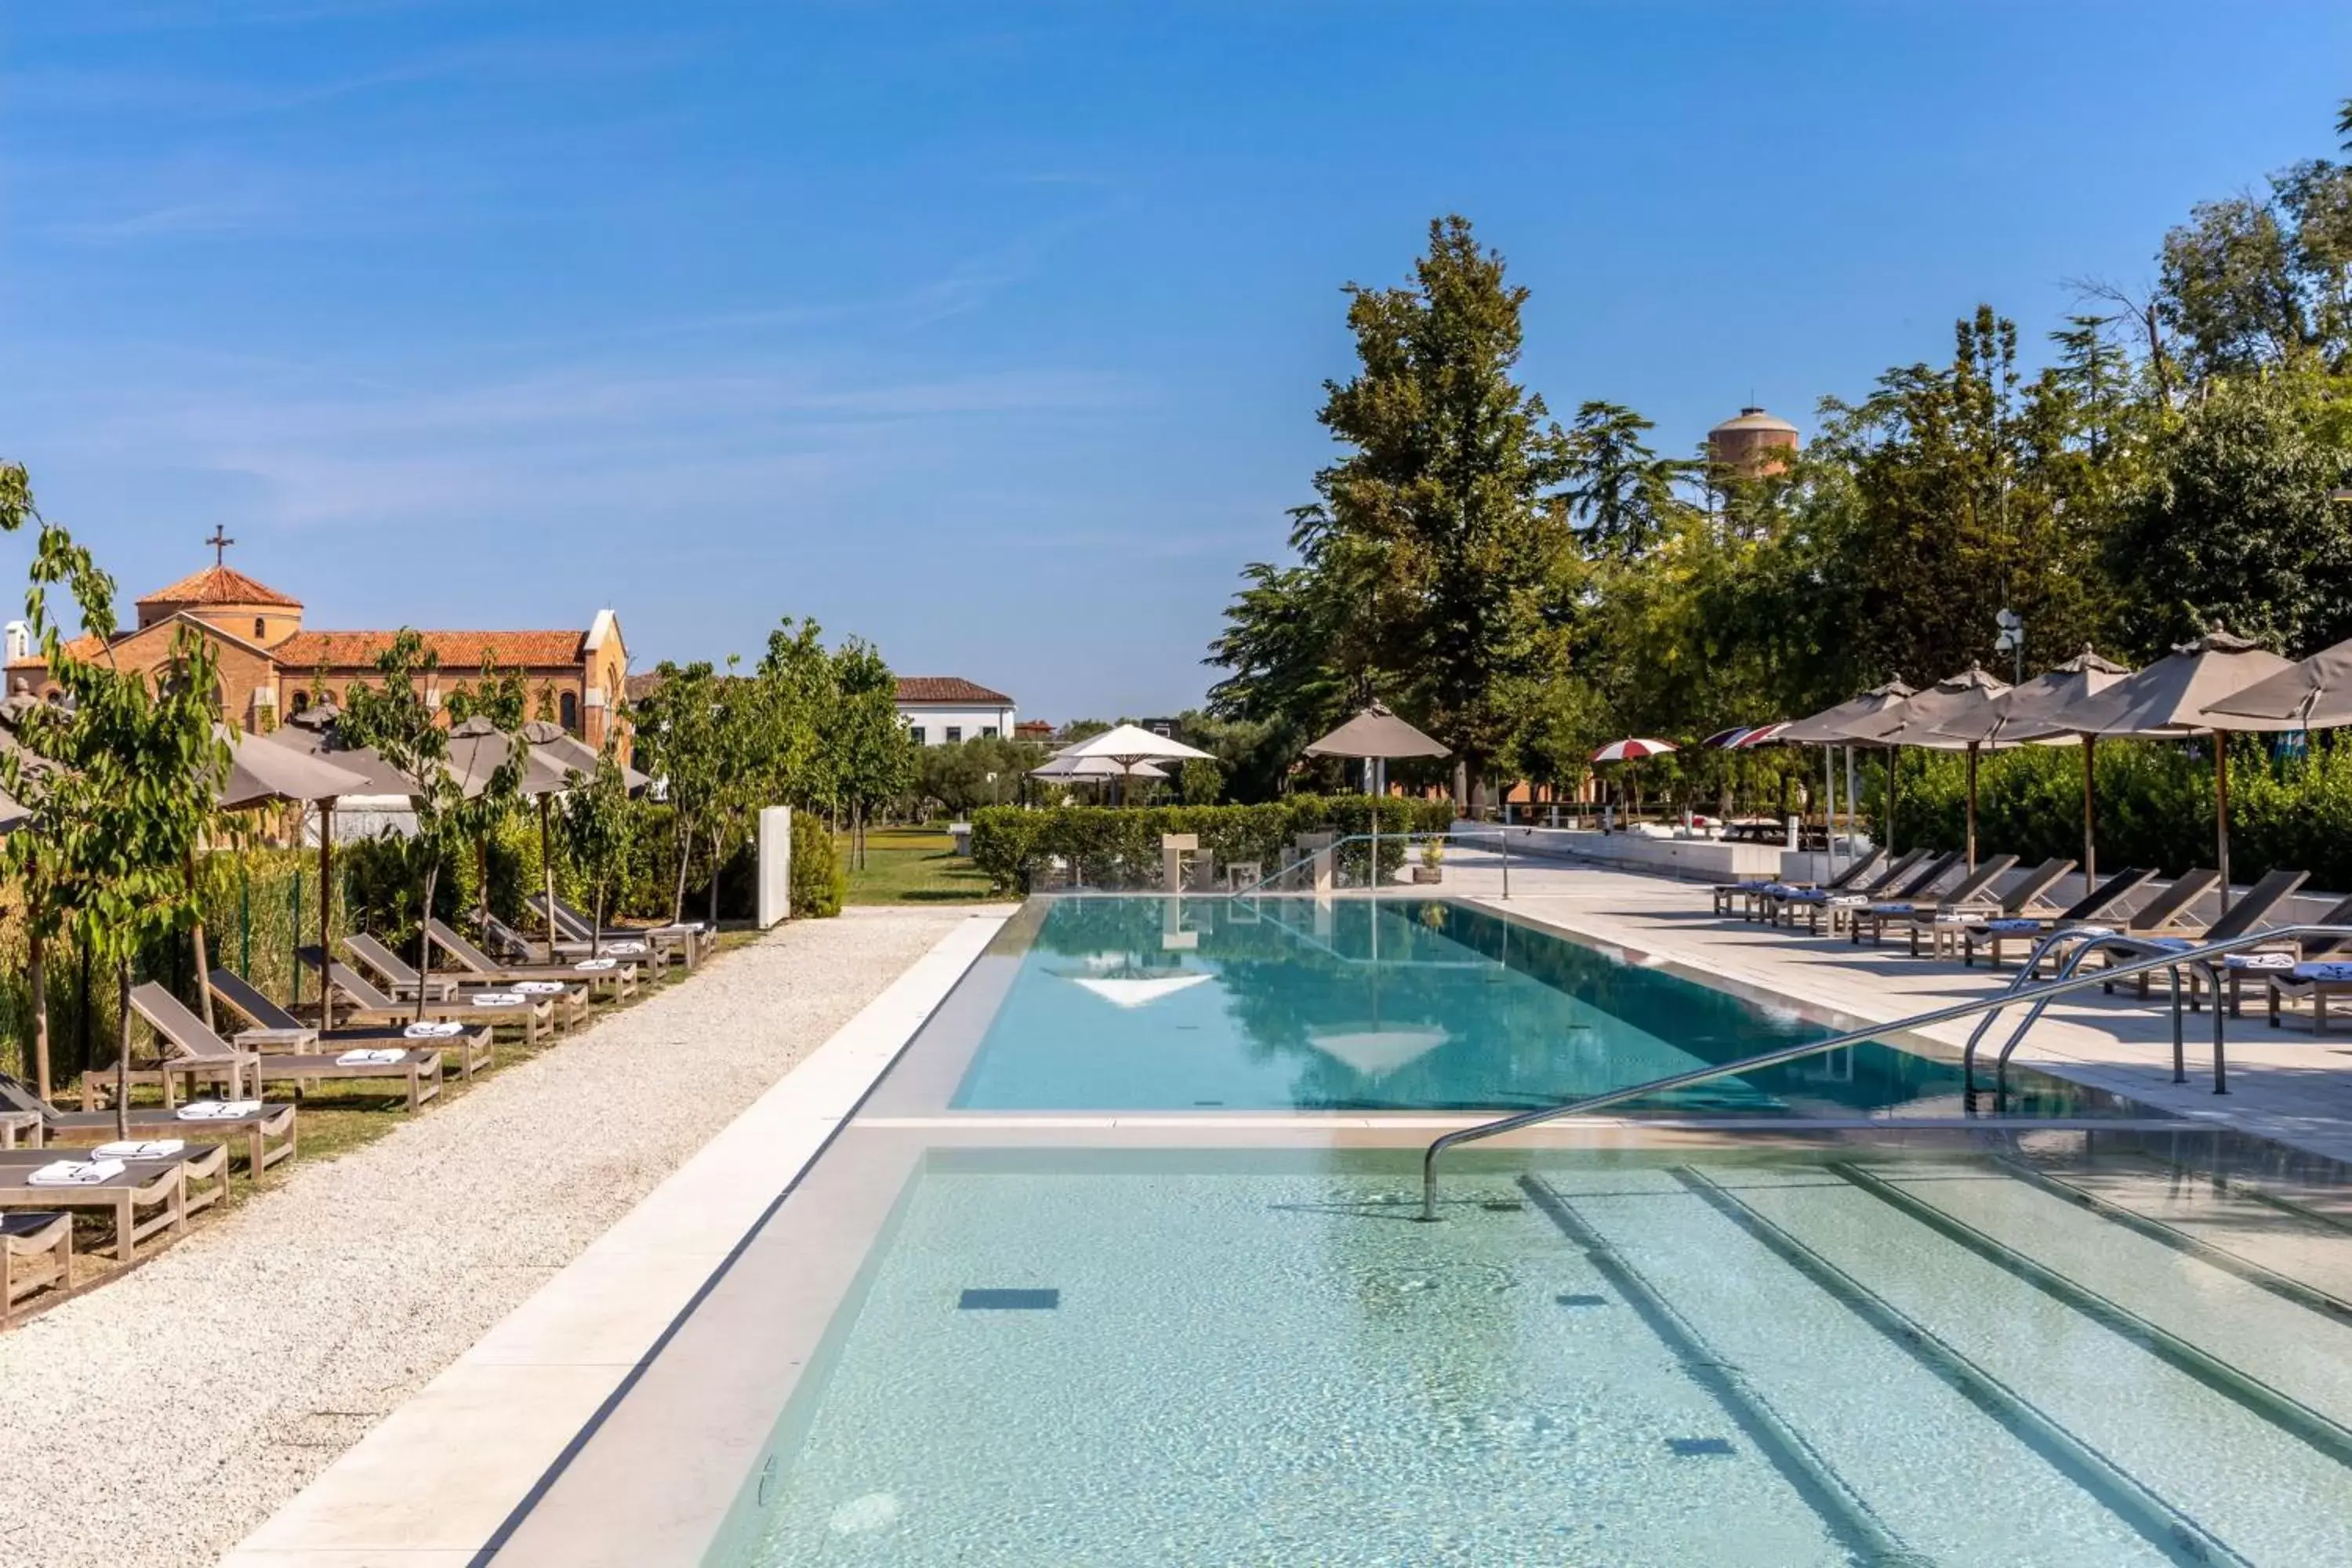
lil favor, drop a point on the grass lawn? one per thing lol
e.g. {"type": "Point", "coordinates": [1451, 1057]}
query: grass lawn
{"type": "Point", "coordinates": [912, 866]}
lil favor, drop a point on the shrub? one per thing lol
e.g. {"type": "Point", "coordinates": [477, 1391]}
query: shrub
{"type": "Point", "coordinates": [1121, 843]}
{"type": "Point", "coordinates": [819, 880]}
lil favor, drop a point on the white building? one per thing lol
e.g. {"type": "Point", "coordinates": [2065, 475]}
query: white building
{"type": "Point", "coordinates": [944, 709]}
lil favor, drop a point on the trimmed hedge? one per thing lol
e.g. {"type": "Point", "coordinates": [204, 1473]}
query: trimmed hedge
{"type": "Point", "coordinates": [2155, 806]}
{"type": "Point", "coordinates": [1120, 844]}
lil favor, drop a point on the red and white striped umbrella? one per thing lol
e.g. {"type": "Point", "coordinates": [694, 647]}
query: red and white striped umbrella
{"type": "Point", "coordinates": [1762, 735]}
{"type": "Point", "coordinates": [1632, 750]}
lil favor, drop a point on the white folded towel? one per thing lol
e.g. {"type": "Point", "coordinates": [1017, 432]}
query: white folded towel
{"type": "Point", "coordinates": [540, 987]}
{"type": "Point", "coordinates": [433, 1030]}
{"type": "Point", "coordinates": [134, 1149]}
{"type": "Point", "coordinates": [593, 964]}
{"type": "Point", "coordinates": [217, 1109]}
{"type": "Point", "coordinates": [497, 998]}
{"type": "Point", "coordinates": [624, 947]}
{"type": "Point", "coordinates": [75, 1172]}
{"type": "Point", "coordinates": [368, 1058]}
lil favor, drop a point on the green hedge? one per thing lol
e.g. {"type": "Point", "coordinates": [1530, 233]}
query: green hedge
{"type": "Point", "coordinates": [2155, 806]}
{"type": "Point", "coordinates": [1120, 844]}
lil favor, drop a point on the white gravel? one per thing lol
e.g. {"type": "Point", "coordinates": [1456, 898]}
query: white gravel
{"type": "Point", "coordinates": [161, 1418]}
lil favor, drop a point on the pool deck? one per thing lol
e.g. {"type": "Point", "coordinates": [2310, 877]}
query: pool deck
{"type": "Point", "coordinates": [2284, 1084]}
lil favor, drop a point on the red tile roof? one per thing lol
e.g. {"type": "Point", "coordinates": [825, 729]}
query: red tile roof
{"type": "Point", "coordinates": [461, 652]}
{"type": "Point", "coordinates": [948, 689]}
{"type": "Point", "coordinates": [219, 585]}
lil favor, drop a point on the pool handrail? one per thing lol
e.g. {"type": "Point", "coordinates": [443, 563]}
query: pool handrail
{"type": "Point", "coordinates": [2171, 959]}
{"type": "Point", "coordinates": [1500, 837]}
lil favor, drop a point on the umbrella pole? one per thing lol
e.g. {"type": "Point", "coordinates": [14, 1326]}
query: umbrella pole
{"type": "Point", "coordinates": [1829, 807]}
{"type": "Point", "coordinates": [1894, 780]}
{"type": "Point", "coordinates": [1972, 806]}
{"type": "Point", "coordinates": [2221, 814]}
{"type": "Point", "coordinates": [2090, 813]}
{"type": "Point", "coordinates": [547, 870]}
{"type": "Point", "coordinates": [326, 903]}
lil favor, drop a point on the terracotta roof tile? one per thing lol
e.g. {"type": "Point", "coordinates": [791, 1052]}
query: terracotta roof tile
{"type": "Point", "coordinates": [948, 689]}
{"type": "Point", "coordinates": [219, 585]}
{"type": "Point", "coordinates": [460, 652]}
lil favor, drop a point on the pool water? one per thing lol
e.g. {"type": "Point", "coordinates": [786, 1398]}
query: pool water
{"type": "Point", "coordinates": [1167, 1005]}
{"type": "Point", "coordinates": [1722, 1358]}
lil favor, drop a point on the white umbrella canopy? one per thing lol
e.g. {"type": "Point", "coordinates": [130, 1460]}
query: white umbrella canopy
{"type": "Point", "coordinates": [2173, 699]}
{"type": "Point", "coordinates": [1127, 744]}
{"type": "Point", "coordinates": [1067, 767]}
{"type": "Point", "coordinates": [1633, 748]}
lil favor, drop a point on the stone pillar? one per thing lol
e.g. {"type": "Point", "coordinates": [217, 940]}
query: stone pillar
{"type": "Point", "coordinates": [1174, 847]}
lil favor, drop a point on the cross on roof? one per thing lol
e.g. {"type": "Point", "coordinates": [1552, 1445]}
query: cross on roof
{"type": "Point", "coordinates": [220, 542]}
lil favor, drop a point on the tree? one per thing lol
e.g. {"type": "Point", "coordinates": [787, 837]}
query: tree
{"type": "Point", "coordinates": [1621, 492]}
{"type": "Point", "coordinates": [123, 783]}
{"type": "Point", "coordinates": [872, 757]}
{"type": "Point", "coordinates": [393, 718]}
{"type": "Point", "coordinates": [599, 828]}
{"type": "Point", "coordinates": [1422, 561]}
{"type": "Point", "coordinates": [681, 736]}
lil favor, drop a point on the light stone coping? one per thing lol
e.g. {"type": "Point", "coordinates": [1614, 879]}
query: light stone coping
{"type": "Point", "coordinates": [431, 1484]}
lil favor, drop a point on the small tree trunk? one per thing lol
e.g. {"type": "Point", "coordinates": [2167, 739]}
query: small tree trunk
{"type": "Point", "coordinates": [432, 876]}
{"type": "Point", "coordinates": [203, 967]}
{"type": "Point", "coordinates": [684, 855]}
{"type": "Point", "coordinates": [599, 936]}
{"type": "Point", "coordinates": [122, 1050]}
{"type": "Point", "coordinates": [715, 835]}
{"type": "Point", "coordinates": [547, 870]}
{"type": "Point", "coordinates": [482, 876]}
{"type": "Point", "coordinates": [36, 977]}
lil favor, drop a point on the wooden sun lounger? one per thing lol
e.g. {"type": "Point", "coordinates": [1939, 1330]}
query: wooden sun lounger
{"type": "Point", "coordinates": [1754, 895]}
{"type": "Point", "coordinates": [1839, 909]}
{"type": "Point", "coordinates": [269, 1132]}
{"type": "Point", "coordinates": [275, 1029]}
{"type": "Point", "coordinates": [418, 1066]}
{"type": "Point", "coordinates": [511, 945]}
{"type": "Point", "coordinates": [566, 1007]}
{"type": "Point", "coordinates": [370, 1006]}
{"type": "Point", "coordinates": [1946, 923]}
{"type": "Point", "coordinates": [686, 941]}
{"type": "Point", "coordinates": [36, 1254]}
{"type": "Point", "coordinates": [1907, 908]}
{"type": "Point", "coordinates": [143, 1185]}
{"type": "Point", "coordinates": [1787, 901]}
{"type": "Point", "coordinates": [2256, 965]}
{"type": "Point", "coordinates": [620, 978]}
{"type": "Point", "coordinates": [2246, 912]}
{"type": "Point", "coordinates": [1997, 933]}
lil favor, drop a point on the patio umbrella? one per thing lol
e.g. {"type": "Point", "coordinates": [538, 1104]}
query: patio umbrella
{"type": "Point", "coordinates": [558, 749]}
{"type": "Point", "coordinates": [2315, 694]}
{"type": "Point", "coordinates": [1127, 744]}
{"type": "Point", "coordinates": [2170, 701]}
{"type": "Point", "coordinates": [1833, 727]}
{"type": "Point", "coordinates": [1094, 768]}
{"type": "Point", "coordinates": [1376, 735]}
{"type": "Point", "coordinates": [1915, 721]}
{"type": "Point", "coordinates": [1633, 748]}
{"type": "Point", "coordinates": [2023, 713]}
{"type": "Point", "coordinates": [260, 773]}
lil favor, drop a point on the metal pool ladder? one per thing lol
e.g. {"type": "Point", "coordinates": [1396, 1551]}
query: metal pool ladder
{"type": "Point", "coordinates": [2024, 988]}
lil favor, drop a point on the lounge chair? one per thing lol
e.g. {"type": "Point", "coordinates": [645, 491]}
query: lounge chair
{"type": "Point", "coordinates": [2256, 964]}
{"type": "Point", "coordinates": [686, 940]}
{"type": "Point", "coordinates": [1786, 901]}
{"type": "Point", "coordinates": [1839, 909]}
{"type": "Point", "coordinates": [2026, 931]}
{"type": "Point", "coordinates": [1751, 894]}
{"type": "Point", "coordinates": [1946, 923]}
{"type": "Point", "coordinates": [275, 1029]}
{"type": "Point", "coordinates": [141, 1184]}
{"type": "Point", "coordinates": [2246, 912]}
{"type": "Point", "coordinates": [621, 979]}
{"type": "Point", "coordinates": [511, 946]}
{"type": "Point", "coordinates": [269, 1129]}
{"type": "Point", "coordinates": [36, 1253]}
{"type": "Point", "coordinates": [567, 997]}
{"type": "Point", "coordinates": [1907, 908]}
{"type": "Point", "coordinates": [369, 1005]}
{"type": "Point", "coordinates": [418, 1066]}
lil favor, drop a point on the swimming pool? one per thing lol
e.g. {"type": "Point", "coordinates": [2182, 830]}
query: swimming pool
{"type": "Point", "coordinates": [1350, 1004]}
{"type": "Point", "coordinates": [1006, 1319]}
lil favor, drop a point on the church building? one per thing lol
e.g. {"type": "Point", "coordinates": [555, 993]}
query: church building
{"type": "Point", "coordinates": [271, 666]}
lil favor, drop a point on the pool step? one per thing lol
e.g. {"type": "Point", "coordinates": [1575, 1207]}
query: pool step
{"type": "Point", "coordinates": [1918, 1438]}
{"type": "Point", "coordinates": [2210, 1391]}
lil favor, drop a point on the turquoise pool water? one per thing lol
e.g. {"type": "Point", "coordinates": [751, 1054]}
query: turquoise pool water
{"type": "Point", "coordinates": [1660, 1359]}
{"type": "Point", "coordinates": [1136, 1003]}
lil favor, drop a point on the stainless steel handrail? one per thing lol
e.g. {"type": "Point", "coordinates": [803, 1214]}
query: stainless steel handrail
{"type": "Point", "coordinates": [2169, 960]}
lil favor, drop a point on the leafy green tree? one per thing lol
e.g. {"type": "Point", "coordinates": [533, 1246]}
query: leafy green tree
{"type": "Point", "coordinates": [122, 782]}
{"type": "Point", "coordinates": [599, 823]}
{"type": "Point", "coordinates": [1621, 492]}
{"type": "Point", "coordinates": [393, 718]}
{"type": "Point", "coordinates": [682, 738]}
{"type": "Point", "coordinates": [796, 702]}
{"type": "Point", "coordinates": [871, 756]}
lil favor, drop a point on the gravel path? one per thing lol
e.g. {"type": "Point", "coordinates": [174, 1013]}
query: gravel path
{"type": "Point", "coordinates": [239, 1363]}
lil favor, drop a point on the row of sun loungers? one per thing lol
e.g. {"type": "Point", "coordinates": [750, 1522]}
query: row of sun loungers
{"type": "Point", "coordinates": [211, 1078]}
{"type": "Point", "coordinates": [1874, 896]}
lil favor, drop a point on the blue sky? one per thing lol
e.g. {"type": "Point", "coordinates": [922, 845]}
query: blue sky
{"type": "Point", "coordinates": [992, 333]}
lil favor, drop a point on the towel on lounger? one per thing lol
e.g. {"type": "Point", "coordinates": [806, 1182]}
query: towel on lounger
{"type": "Point", "coordinates": [366, 1057]}
{"type": "Point", "coordinates": [2009, 927]}
{"type": "Point", "coordinates": [75, 1172]}
{"type": "Point", "coordinates": [2324, 969]}
{"type": "Point", "coordinates": [433, 1030]}
{"type": "Point", "coordinates": [2258, 961]}
{"type": "Point", "coordinates": [135, 1149]}
{"type": "Point", "coordinates": [540, 987]}
{"type": "Point", "coordinates": [498, 999]}
{"type": "Point", "coordinates": [595, 965]}
{"type": "Point", "coordinates": [217, 1109]}
{"type": "Point", "coordinates": [624, 947]}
